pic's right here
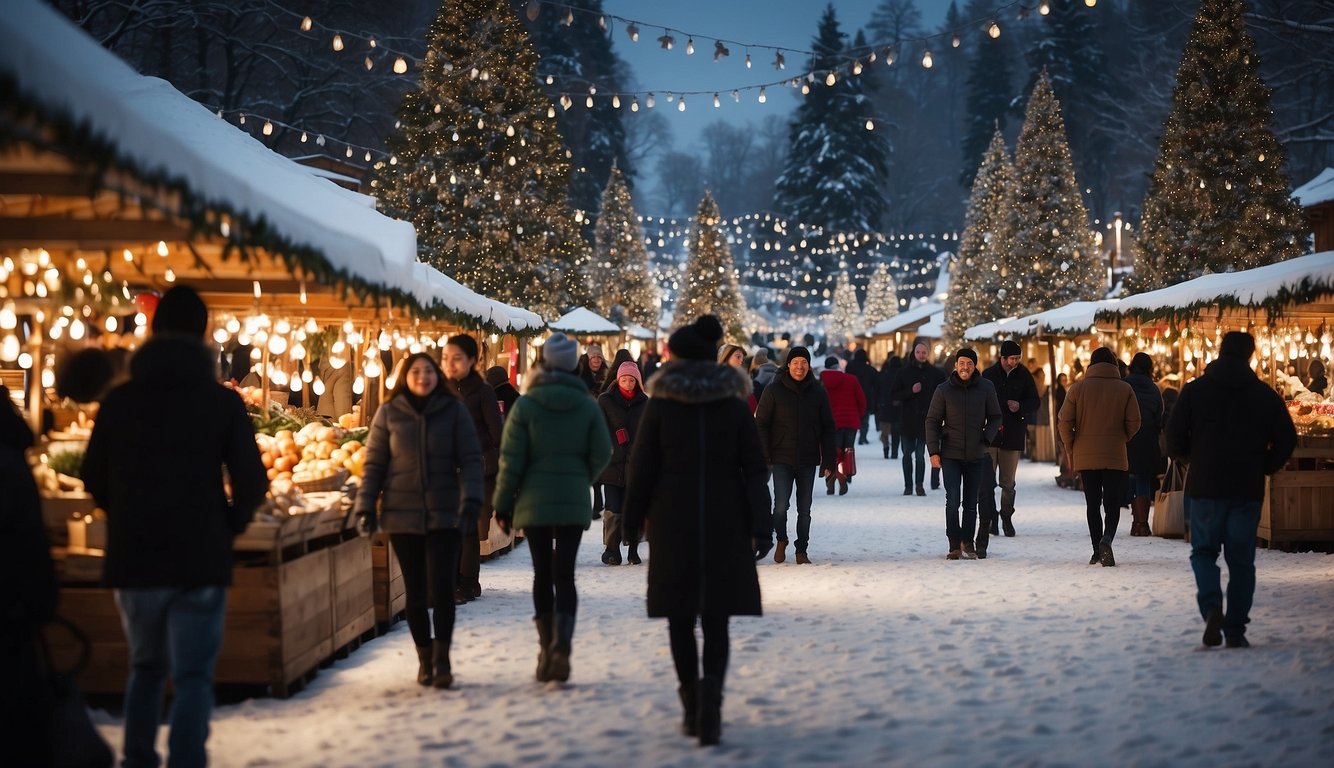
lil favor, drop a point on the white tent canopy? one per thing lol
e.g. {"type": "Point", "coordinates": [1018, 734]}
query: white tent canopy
{"type": "Point", "coordinates": [584, 321]}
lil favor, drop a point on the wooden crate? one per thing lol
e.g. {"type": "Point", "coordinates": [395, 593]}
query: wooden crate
{"type": "Point", "coordinates": [387, 581]}
{"type": "Point", "coordinates": [352, 590]}
{"type": "Point", "coordinates": [1299, 508]}
{"type": "Point", "coordinates": [94, 611]}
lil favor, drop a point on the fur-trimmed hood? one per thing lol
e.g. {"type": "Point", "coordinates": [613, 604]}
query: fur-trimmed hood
{"type": "Point", "coordinates": [698, 381]}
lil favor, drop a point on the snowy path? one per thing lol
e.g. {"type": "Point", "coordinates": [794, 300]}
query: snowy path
{"type": "Point", "coordinates": [881, 653]}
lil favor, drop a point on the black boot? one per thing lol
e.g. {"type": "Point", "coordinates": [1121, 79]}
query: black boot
{"type": "Point", "coordinates": [829, 485]}
{"type": "Point", "coordinates": [558, 663]}
{"type": "Point", "coordinates": [994, 528]}
{"type": "Point", "coordinates": [543, 622]}
{"type": "Point", "coordinates": [710, 710]}
{"type": "Point", "coordinates": [887, 452]}
{"type": "Point", "coordinates": [983, 538]}
{"type": "Point", "coordinates": [443, 677]}
{"type": "Point", "coordinates": [611, 555]}
{"type": "Point", "coordinates": [690, 703]}
{"type": "Point", "coordinates": [425, 670]}
{"type": "Point", "coordinates": [1007, 523]}
{"type": "Point", "coordinates": [632, 557]}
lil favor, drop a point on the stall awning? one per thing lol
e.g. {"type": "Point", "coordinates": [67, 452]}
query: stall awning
{"type": "Point", "coordinates": [584, 321]}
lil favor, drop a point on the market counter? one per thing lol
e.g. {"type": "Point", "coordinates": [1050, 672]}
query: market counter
{"type": "Point", "coordinates": [1299, 507]}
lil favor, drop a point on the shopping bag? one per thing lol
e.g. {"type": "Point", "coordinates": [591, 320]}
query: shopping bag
{"type": "Point", "coordinates": [847, 462]}
{"type": "Point", "coordinates": [1169, 505]}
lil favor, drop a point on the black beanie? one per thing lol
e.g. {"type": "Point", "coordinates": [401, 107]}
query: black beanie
{"type": "Point", "coordinates": [697, 341]}
{"type": "Point", "coordinates": [797, 352]}
{"type": "Point", "coordinates": [968, 353]}
{"type": "Point", "coordinates": [1009, 348]}
{"type": "Point", "coordinates": [831, 363]}
{"type": "Point", "coordinates": [182, 312]}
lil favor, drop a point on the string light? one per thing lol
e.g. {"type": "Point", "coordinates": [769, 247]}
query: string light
{"type": "Point", "coordinates": [926, 59]}
{"type": "Point", "coordinates": [337, 42]}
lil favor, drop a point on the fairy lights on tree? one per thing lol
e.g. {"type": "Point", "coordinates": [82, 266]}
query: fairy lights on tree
{"type": "Point", "coordinates": [980, 274]}
{"type": "Point", "coordinates": [710, 285]}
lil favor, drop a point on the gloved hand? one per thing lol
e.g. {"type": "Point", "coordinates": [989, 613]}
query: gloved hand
{"type": "Point", "coordinates": [761, 547]}
{"type": "Point", "coordinates": [503, 519]}
{"type": "Point", "coordinates": [366, 523]}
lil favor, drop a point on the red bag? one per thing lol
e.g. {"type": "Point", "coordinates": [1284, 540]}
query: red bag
{"type": "Point", "coordinates": [847, 462]}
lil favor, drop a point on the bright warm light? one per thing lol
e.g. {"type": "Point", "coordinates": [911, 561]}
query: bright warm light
{"type": "Point", "coordinates": [338, 42]}
{"type": "Point", "coordinates": [926, 60]}
{"type": "Point", "coordinates": [400, 65]}
{"type": "Point", "coordinates": [994, 30]}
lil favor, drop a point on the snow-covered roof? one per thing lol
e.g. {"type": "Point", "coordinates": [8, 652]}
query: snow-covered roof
{"type": "Point", "coordinates": [584, 320]}
{"type": "Point", "coordinates": [637, 331]}
{"type": "Point", "coordinates": [1317, 190]}
{"type": "Point", "coordinates": [898, 322]}
{"type": "Point", "coordinates": [1073, 318]}
{"type": "Point", "coordinates": [933, 328]}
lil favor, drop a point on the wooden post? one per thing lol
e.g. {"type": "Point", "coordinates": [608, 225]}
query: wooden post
{"type": "Point", "coordinates": [35, 390]}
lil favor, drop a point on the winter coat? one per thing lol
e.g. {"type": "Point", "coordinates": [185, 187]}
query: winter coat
{"type": "Point", "coordinates": [846, 399]}
{"type": "Point", "coordinates": [1233, 429]}
{"type": "Point", "coordinates": [1017, 385]}
{"type": "Point", "coordinates": [1099, 417]}
{"type": "Point", "coordinates": [1142, 452]}
{"type": "Point", "coordinates": [620, 414]}
{"type": "Point", "coordinates": [506, 394]}
{"type": "Point", "coordinates": [169, 523]}
{"type": "Point", "coordinates": [867, 376]}
{"type": "Point", "coordinates": [763, 377]}
{"type": "Point", "coordinates": [888, 410]}
{"type": "Point", "coordinates": [480, 401]}
{"type": "Point", "coordinates": [915, 404]}
{"type": "Point", "coordinates": [796, 423]}
{"type": "Point", "coordinates": [698, 473]}
{"type": "Point", "coordinates": [425, 468]}
{"type": "Point", "coordinates": [29, 597]}
{"type": "Point", "coordinates": [337, 397]}
{"type": "Point", "coordinates": [596, 382]}
{"type": "Point", "coordinates": [554, 448]}
{"type": "Point", "coordinates": [963, 418]}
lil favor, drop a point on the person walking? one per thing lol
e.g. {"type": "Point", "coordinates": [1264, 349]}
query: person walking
{"type": "Point", "coordinates": [796, 428]}
{"type": "Point", "coordinates": [506, 394]}
{"type": "Point", "coordinates": [169, 523]}
{"type": "Point", "coordinates": [423, 485]}
{"type": "Point", "coordinates": [888, 411]}
{"type": "Point", "coordinates": [1099, 417]}
{"type": "Point", "coordinates": [593, 370]}
{"type": "Point", "coordinates": [1229, 459]}
{"type": "Point", "coordinates": [1018, 397]}
{"type": "Point", "coordinates": [914, 387]}
{"type": "Point", "coordinates": [1142, 454]}
{"type": "Point", "coordinates": [459, 361]}
{"type": "Point", "coordinates": [960, 423]}
{"type": "Point", "coordinates": [697, 474]}
{"type": "Point", "coordinates": [869, 378]}
{"type": "Point", "coordinates": [555, 446]}
{"type": "Point", "coordinates": [848, 403]}
{"type": "Point", "coordinates": [622, 407]}
{"type": "Point", "coordinates": [731, 354]}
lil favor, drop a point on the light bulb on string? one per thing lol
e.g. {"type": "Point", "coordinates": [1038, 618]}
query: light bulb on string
{"type": "Point", "coordinates": [633, 32]}
{"type": "Point", "coordinates": [748, 65]}
{"type": "Point", "coordinates": [690, 46]}
{"type": "Point", "coordinates": [762, 98]}
{"type": "Point", "coordinates": [870, 126]}
{"type": "Point", "coordinates": [954, 41]}
{"type": "Point", "coordinates": [926, 59]}
{"type": "Point", "coordinates": [337, 42]}
{"type": "Point", "coordinates": [400, 65]}
{"type": "Point", "coordinates": [681, 105]}
{"type": "Point", "coordinates": [306, 24]}
{"type": "Point", "coordinates": [648, 101]}
{"type": "Point", "coordinates": [1044, 8]}
{"type": "Point", "coordinates": [829, 79]}
{"type": "Point", "coordinates": [993, 31]}
{"type": "Point", "coordinates": [1090, 3]}
{"type": "Point", "coordinates": [716, 102]}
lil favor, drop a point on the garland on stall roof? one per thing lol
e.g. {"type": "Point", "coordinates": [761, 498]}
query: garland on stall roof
{"type": "Point", "coordinates": [1304, 292]}
{"type": "Point", "coordinates": [80, 144]}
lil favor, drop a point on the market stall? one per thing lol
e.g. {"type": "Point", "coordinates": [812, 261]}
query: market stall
{"type": "Point", "coordinates": [590, 328]}
{"type": "Point", "coordinates": [895, 335]}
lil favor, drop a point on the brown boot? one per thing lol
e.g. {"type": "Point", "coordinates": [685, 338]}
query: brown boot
{"type": "Point", "coordinates": [1139, 511]}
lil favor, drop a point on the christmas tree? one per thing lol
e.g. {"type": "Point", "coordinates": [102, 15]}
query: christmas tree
{"type": "Point", "coordinates": [845, 322]}
{"type": "Point", "coordinates": [623, 289]}
{"type": "Point", "coordinates": [981, 267]}
{"type": "Point", "coordinates": [882, 296]}
{"type": "Point", "coordinates": [478, 168]}
{"type": "Point", "coordinates": [711, 285]}
{"type": "Point", "coordinates": [1053, 259]}
{"type": "Point", "coordinates": [1218, 199]}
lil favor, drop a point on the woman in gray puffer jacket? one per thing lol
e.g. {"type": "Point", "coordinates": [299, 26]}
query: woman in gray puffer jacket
{"type": "Point", "coordinates": [424, 466]}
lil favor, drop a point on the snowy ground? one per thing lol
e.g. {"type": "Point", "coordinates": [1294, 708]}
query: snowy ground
{"type": "Point", "coordinates": [881, 653]}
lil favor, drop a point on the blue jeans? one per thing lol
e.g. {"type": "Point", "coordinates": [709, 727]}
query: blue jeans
{"type": "Point", "coordinates": [1230, 525]}
{"type": "Point", "coordinates": [1141, 487]}
{"type": "Point", "coordinates": [785, 476]}
{"type": "Point", "coordinates": [913, 448]}
{"type": "Point", "coordinates": [962, 479]}
{"type": "Point", "coordinates": [177, 632]}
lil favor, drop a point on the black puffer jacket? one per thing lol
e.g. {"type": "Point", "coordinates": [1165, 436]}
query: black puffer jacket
{"type": "Point", "coordinates": [866, 376]}
{"type": "Point", "coordinates": [480, 400]}
{"type": "Point", "coordinates": [1233, 429]}
{"type": "Point", "coordinates": [169, 523]}
{"type": "Point", "coordinates": [1017, 385]}
{"type": "Point", "coordinates": [427, 465]}
{"type": "Point", "coordinates": [620, 414]}
{"type": "Point", "coordinates": [915, 404]}
{"type": "Point", "coordinates": [1142, 450]}
{"type": "Point", "coordinates": [796, 423]}
{"type": "Point", "coordinates": [963, 418]}
{"type": "Point", "coordinates": [887, 409]}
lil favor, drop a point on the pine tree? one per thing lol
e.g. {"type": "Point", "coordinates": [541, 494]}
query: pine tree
{"type": "Point", "coordinates": [1052, 256]}
{"type": "Point", "coordinates": [711, 285]}
{"type": "Point", "coordinates": [1218, 199]}
{"type": "Point", "coordinates": [477, 164]}
{"type": "Point", "coordinates": [845, 322]}
{"type": "Point", "coordinates": [882, 296]}
{"type": "Point", "coordinates": [980, 269]}
{"type": "Point", "coordinates": [624, 290]}
{"type": "Point", "coordinates": [988, 101]}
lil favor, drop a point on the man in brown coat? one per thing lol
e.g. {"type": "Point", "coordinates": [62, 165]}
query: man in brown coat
{"type": "Point", "coordinates": [1099, 417]}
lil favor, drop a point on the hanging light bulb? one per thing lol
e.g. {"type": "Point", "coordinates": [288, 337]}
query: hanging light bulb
{"type": "Point", "coordinates": [829, 79]}
{"type": "Point", "coordinates": [373, 368]}
{"type": "Point", "coordinates": [681, 105]}
{"type": "Point", "coordinates": [633, 32]}
{"type": "Point", "coordinates": [648, 102]}
{"type": "Point", "coordinates": [10, 348]}
{"type": "Point", "coordinates": [305, 24]}
{"type": "Point", "coordinates": [870, 126]}
{"type": "Point", "coordinates": [857, 67]}
{"type": "Point", "coordinates": [993, 31]}
{"type": "Point", "coordinates": [666, 41]}
{"type": "Point", "coordinates": [358, 386]}
{"type": "Point", "coordinates": [747, 59]}
{"type": "Point", "coordinates": [762, 98]}
{"type": "Point", "coordinates": [634, 104]}
{"type": "Point", "coordinates": [1090, 3]}
{"type": "Point", "coordinates": [369, 64]}
{"type": "Point", "coordinates": [1044, 8]}
{"type": "Point", "coordinates": [9, 318]}
{"type": "Point", "coordinates": [337, 42]}
{"type": "Point", "coordinates": [926, 59]}
{"type": "Point", "coordinates": [268, 128]}
{"type": "Point", "coordinates": [716, 102]}
{"type": "Point", "coordinates": [616, 101]}
{"type": "Point", "coordinates": [954, 41]}
{"type": "Point", "coordinates": [779, 61]}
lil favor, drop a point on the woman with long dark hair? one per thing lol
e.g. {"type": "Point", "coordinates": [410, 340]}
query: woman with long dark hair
{"type": "Point", "coordinates": [424, 468]}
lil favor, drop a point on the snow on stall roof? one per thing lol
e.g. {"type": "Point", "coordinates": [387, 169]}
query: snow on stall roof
{"type": "Point", "coordinates": [584, 320]}
{"type": "Point", "coordinates": [1317, 190]}
{"type": "Point", "coordinates": [1073, 318]}
{"type": "Point", "coordinates": [985, 331]}
{"type": "Point", "coordinates": [637, 331]}
{"type": "Point", "coordinates": [933, 328]}
{"type": "Point", "coordinates": [922, 311]}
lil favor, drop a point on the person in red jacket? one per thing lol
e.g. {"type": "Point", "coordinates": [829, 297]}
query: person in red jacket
{"type": "Point", "coordinates": [848, 402]}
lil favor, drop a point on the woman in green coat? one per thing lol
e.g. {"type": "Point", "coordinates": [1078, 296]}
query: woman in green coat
{"type": "Point", "coordinates": [554, 447]}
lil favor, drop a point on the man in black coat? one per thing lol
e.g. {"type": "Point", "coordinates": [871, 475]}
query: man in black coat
{"type": "Point", "coordinates": [1018, 396]}
{"type": "Point", "coordinates": [797, 433]}
{"type": "Point", "coordinates": [888, 411]}
{"type": "Point", "coordinates": [458, 360]}
{"type": "Point", "coordinates": [913, 388]}
{"type": "Point", "coordinates": [170, 521]}
{"type": "Point", "coordinates": [1234, 430]}
{"type": "Point", "coordinates": [961, 422]}
{"type": "Point", "coordinates": [860, 366]}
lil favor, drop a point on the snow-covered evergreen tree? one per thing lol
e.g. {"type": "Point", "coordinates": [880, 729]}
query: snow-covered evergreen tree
{"type": "Point", "coordinates": [981, 266]}
{"type": "Point", "coordinates": [845, 321]}
{"type": "Point", "coordinates": [623, 288]}
{"type": "Point", "coordinates": [1218, 199]}
{"type": "Point", "coordinates": [477, 166]}
{"type": "Point", "coordinates": [710, 285]}
{"type": "Point", "coordinates": [1052, 256]}
{"type": "Point", "coordinates": [882, 296]}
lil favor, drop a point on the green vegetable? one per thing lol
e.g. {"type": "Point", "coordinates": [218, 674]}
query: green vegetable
{"type": "Point", "coordinates": [67, 463]}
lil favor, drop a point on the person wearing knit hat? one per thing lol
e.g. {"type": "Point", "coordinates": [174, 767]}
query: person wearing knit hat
{"type": "Point", "coordinates": [506, 394]}
{"type": "Point", "coordinates": [622, 406]}
{"type": "Point", "coordinates": [796, 427]}
{"type": "Point", "coordinates": [560, 353]}
{"type": "Point", "coordinates": [697, 341]}
{"type": "Point", "coordinates": [762, 372]}
{"type": "Point", "coordinates": [593, 369]}
{"type": "Point", "coordinates": [1018, 395]}
{"type": "Point", "coordinates": [962, 420]}
{"type": "Point", "coordinates": [913, 387]}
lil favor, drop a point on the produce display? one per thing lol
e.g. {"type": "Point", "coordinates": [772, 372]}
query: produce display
{"type": "Point", "coordinates": [1311, 415]}
{"type": "Point", "coordinates": [314, 452]}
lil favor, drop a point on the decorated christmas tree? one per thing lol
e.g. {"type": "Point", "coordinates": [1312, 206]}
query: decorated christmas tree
{"type": "Point", "coordinates": [1218, 199]}
{"type": "Point", "coordinates": [623, 289]}
{"type": "Point", "coordinates": [882, 296]}
{"type": "Point", "coordinates": [710, 285]}
{"type": "Point", "coordinates": [981, 267]}
{"type": "Point", "coordinates": [845, 322]}
{"type": "Point", "coordinates": [1052, 256]}
{"type": "Point", "coordinates": [478, 168]}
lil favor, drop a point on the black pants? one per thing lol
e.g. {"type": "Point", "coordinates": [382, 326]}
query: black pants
{"type": "Point", "coordinates": [553, 549]}
{"type": "Point", "coordinates": [1103, 488]}
{"type": "Point", "coordinates": [430, 566]}
{"type": "Point", "coordinates": [470, 559]}
{"type": "Point", "coordinates": [685, 654]}
{"type": "Point", "coordinates": [866, 425]}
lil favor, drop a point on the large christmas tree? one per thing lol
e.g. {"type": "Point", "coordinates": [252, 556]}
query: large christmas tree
{"type": "Point", "coordinates": [477, 164]}
{"type": "Point", "coordinates": [1053, 258]}
{"type": "Point", "coordinates": [710, 283]}
{"type": "Point", "coordinates": [882, 296]}
{"type": "Point", "coordinates": [1218, 199]}
{"type": "Point", "coordinates": [845, 322]}
{"type": "Point", "coordinates": [981, 267]}
{"type": "Point", "coordinates": [623, 289]}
